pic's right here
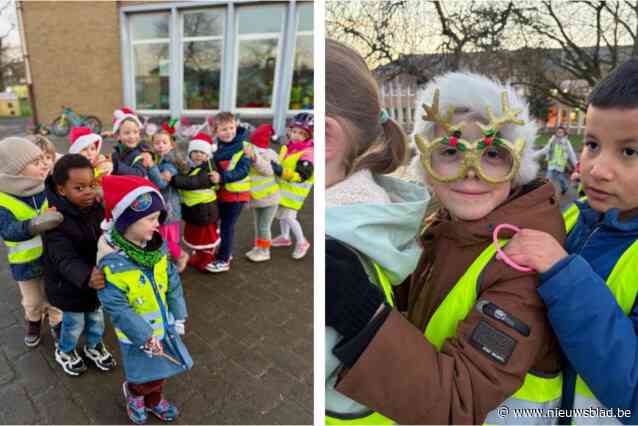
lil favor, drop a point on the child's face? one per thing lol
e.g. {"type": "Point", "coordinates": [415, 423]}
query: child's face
{"type": "Point", "coordinates": [162, 143]}
{"type": "Point", "coordinates": [90, 152]}
{"type": "Point", "coordinates": [198, 157]}
{"type": "Point", "coordinates": [48, 160]}
{"type": "Point", "coordinates": [298, 134]}
{"type": "Point", "coordinates": [470, 198]}
{"type": "Point", "coordinates": [560, 133]}
{"type": "Point", "coordinates": [36, 169]}
{"type": "Point", "coordinates": [609, 162]}
{"type": "Point", "coordinates": [143, 229]}
{"type": "Point", "coordinates": [226, 131]}
{"type": "Point", "coordinates": [129, 134]}
{"type": "Point", "coordinates": [79, 189]}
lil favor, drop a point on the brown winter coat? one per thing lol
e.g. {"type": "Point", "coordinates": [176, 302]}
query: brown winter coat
{"type": "Point", "coordinates": [402, 376]}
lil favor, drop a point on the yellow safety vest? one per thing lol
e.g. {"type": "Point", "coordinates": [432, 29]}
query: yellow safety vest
{"type": "Point", "coordinates": [293, 194]}
{"type": "Point", "coordinates": [535, 393]}
{"type": "Point", "coordinates": [192, 197]}
{"type": "Point", "coordinates": [22, 251]}
{"type": "Point", "coordinates": [261, 186]}
{"type": "Point", "coordinates": [622, 283]}
{"type": "Point", "coordinates": [240, 185]}
{"type": "Point", "coordinates": [142, 294]}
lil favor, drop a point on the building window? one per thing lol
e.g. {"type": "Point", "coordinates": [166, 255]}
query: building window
{"type": "Point", "coordinates": [302, 90]}
{"type": "Point", "coordinates": [258, 48]}
{"type": "Point", "coordinates": [202, 57]}
{"type": "Point", "coordinates": [151, 63]}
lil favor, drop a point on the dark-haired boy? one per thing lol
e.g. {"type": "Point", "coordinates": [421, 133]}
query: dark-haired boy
{"type": "Point", "coordinates": [70, 252]}
{"type": "Point", "coordinates": [590, 287]}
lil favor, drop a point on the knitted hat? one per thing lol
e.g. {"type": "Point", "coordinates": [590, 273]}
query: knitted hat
{"type": "Point", "coordinates": [202, 142]}
{"type": "Point", "coordinates": [124, 193]}
{"type": "Point", "coordinates": [16, 153]}
{"type": "Point", "coordinates": [472, 94]}
{"type": "Point", "coordinates": [262, 135]}
{"type": "Point", "coordinates": [119, 115]}
{"type": "Point", "coordinates": [83, 137]}
{"type": "Point", "coordinates": [304, 121]}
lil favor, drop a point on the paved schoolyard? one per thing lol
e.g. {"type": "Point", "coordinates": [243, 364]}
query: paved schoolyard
{"type": "Point", "coordinates": [249, 331]}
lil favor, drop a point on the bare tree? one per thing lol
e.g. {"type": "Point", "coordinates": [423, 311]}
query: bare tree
{"type": "Point", "coordinates": [8, 64]}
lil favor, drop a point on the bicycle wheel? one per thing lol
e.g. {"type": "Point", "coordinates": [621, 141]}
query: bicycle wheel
{"type": "Point", "coordinates": [60, 126]}
{"type": "Point", "coordinates": [93, 123]}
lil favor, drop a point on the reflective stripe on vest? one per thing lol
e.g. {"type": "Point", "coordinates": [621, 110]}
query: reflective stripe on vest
{"type": "Point", "coordinates": [31, 249]}
{"type": "Point", "coordinates": [240, 185]}
{"type": "Point", "coordinates": [261, 186]}
{"type": "Point", "coordinates": [537, 393]}
{"type": "Point", "coordinates": [621, 282]}
{"type": "Point", "coordinates": [193, 197]}
{"type": "Point", "coordinates": [141, 296]}
{"type": "Point", "coordinates": [293, 194]}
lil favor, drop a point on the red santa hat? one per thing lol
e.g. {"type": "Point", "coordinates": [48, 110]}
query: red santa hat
{"type": "Point", "coordinates": [262, 136]}
{"type": "Point", "coordinates": [83, 137]}
{"type": "Point", "coordinates": [202, 142]}
{"type": "Point", "coordinates": [119, 115]}
{"type": "Point", "coordinates": [122, 192]}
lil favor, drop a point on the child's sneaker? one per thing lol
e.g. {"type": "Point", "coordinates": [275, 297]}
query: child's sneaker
{"type": "Point", "coordinates": [165, 411]}
{"type": "Point", "coordinates": [32, 338]}
{"type": "Point", "coordinates": [281, 241]}
{"type": "Point", "coordinates": [100, 356]}
{"type": "Point", "coordinates": [258, 254]}
{"type": "Point", "coordinates": [134, 406]}
{"type": "Point", "coordinates": [218, 266]}
{"type": "Point", "coordinates": [300, 249]}
{"type": "Point", "coordinates": [71, 362]}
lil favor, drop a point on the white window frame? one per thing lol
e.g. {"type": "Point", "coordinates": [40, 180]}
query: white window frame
{"type": "Point", "coordinates": [182, 41]}
{"type": "Point", "coordinates": [258, 112]}
{"type": "Point", "coordinates": [134, 43]}
{"type": "Point", "coordinates": [292, 112]}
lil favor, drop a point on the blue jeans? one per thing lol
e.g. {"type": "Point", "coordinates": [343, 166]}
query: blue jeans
{"type": "Point", "coordinates": [228, 213]}
{"type": "Point", "coordinates": [555, 175]}
{"type": "Point", "coordinates": [74, 323]}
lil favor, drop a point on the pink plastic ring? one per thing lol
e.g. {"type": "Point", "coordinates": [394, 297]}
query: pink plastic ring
{"type": "Point", "coordinates": [499, 252]}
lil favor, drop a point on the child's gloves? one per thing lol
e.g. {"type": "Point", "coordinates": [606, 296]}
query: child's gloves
{"type": "Point", "coordinates": [180, 327]}
{"type": "Point", "coordinates": [45, 221]}
{"type": "Point", "coordinates": [290, 175]}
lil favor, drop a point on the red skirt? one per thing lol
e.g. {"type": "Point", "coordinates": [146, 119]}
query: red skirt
{"type": "Point", "coordinates": [201, 237]}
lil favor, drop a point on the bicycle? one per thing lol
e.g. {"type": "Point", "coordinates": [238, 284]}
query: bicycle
{"type": "Point", "coordinates": [61, 126]}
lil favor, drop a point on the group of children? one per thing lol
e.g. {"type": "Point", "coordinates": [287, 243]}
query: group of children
{"type": "Point", "coordinates": [87, 233]}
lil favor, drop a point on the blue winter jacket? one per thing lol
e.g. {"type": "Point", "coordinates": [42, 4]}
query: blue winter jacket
{"type": "Point", "coordinates": [13, 229]}
{"type": "Point", "coordinates": [123, 158]}
{"type": "Point", "coordinates": [598, 339]}
{"type": "Point", "coordinates": [225, 151]}
{"type": "Point", "coordinates": [170, 194]}
{"type": "Point", "coordinates": [138, 366]}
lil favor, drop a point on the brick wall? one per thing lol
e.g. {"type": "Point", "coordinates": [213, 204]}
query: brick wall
{"type": "Point", "coordinates": [74, 52]}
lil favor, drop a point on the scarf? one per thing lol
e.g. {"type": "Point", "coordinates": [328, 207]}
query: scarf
{"type": "Point", "coordinates": [148, 256]}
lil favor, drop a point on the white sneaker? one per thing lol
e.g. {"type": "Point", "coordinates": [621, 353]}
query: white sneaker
{"type": "Point", "coordinates": [300, 249]}
{"type": "Point", "coordinates": [258, 254]}
{"type": "Point", "coordinates": [218, 266]}
{"type": "Point", "coordinates": [281, 241]}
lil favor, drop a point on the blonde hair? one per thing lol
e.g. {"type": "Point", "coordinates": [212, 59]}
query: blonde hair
{"type": "Point", "coordinates": [352, 98]}
{"type": "Point", "coordinates": [44, 144]}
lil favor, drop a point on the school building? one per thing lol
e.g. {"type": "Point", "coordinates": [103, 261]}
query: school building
{"type": "Point", "coordinates": [170, 59]}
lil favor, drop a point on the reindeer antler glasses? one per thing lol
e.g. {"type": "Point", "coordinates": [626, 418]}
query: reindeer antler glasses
{"type": "Point", "coordinates": [449, 158]}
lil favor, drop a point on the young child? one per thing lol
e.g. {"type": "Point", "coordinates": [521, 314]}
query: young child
{"type": "Point", "coordinates": [234, 179]}
{"type": "Point", "coordinates": [558, 152]}
{"type": "Point", "coordinates": [130, 156]}
{"type": "Point", "coordinates": [162, 170]}
{"type": "Point", "coordinates": [50, 156]}
{"type": "Point", "coordinates": [296, 176]}
{"type": "Point", "coordinates": [376, 216]}
{"type": "Point", "coordinates": [264, 191]}
{"type": "Point", "coordinates": [143, 295]}
{"type": "Point", "coordinates": [590, 287]}
{"type": "Point", "coordinates": [24, 216]}
{"type": "Point", "coordinates": [89, 144]}
{"type": "Point", "coordinates": [475, 336]}
{"type": "Point", "coordinates": [69, 257]}
{"type": "Point", "coordinates": [199, 205]}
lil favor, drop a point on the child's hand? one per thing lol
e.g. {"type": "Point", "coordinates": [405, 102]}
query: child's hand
{"type": "Point", "coordinates": [45, 221]}
{"type": "Point", "coordinates": [154, 346]}
{"type": "Point", "coordinates": [214, 177]}
{"type": "Point", "coordinates": [250, 153]}
{"type": "Point", "coordinates": [97, 281]}
{"type": "Point", "coordinates": [535, 249]}
{"type": "Point", "coordinates": [147, 159]}
{"type": "Point", "coordinates": [105, 167]}
{"type": "Point", "coordinates": [166, 175]}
